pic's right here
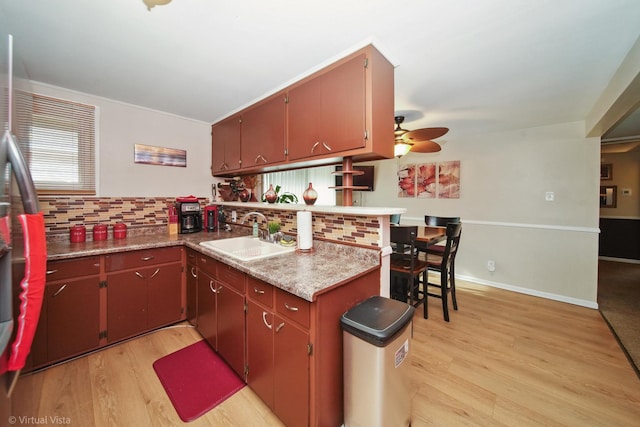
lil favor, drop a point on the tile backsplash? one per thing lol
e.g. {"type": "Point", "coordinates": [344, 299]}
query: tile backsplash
{"type": "Point", "coordinates": [61, 213]}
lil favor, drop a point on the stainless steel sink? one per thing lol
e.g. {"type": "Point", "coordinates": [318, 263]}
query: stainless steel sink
{"type": "Point", "coordinates": [246, 248]}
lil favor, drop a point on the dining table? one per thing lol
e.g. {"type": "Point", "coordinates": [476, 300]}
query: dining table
{"type": "Point", "coordinates": [431, 235]}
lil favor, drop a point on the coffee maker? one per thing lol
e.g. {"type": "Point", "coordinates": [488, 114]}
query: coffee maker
{"type": "Point", "coordinates": [211, 218]}
{"type": "Point", "coordinates": [189, 215]}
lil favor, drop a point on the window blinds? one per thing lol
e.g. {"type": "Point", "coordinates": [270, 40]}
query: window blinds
{"type": "Point", "coordinates": [57, 139]}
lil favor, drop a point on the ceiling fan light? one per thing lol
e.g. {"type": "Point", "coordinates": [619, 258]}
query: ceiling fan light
{"type": "Point", "coordinates": [401, 148]}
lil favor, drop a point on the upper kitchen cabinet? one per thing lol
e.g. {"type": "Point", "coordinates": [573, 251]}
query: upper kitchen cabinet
{"type": "Point", "coordinates": [344, 110]}
{"type": "Point", "coordinates": [225, 145]}
{"type": "Point", "coordinates": [327, 113]}
{"type": "Point", "coordinates": [263, 133]}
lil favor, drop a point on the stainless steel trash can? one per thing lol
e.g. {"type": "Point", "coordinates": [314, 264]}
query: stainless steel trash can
{"type": "Point", "coordinates": [376, 335]}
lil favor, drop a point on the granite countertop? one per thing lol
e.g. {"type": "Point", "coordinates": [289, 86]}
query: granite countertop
{"type": "Point", "coordinates": [305, 275]}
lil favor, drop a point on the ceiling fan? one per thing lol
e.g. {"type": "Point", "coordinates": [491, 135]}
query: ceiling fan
{"type": "Point", "coordinates": [418, 141]}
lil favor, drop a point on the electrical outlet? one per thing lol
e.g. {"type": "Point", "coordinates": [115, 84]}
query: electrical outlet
{"type": "Point", "coordinates": [491, 265]}
{"type": "Point", "coordinates": [549, 196]}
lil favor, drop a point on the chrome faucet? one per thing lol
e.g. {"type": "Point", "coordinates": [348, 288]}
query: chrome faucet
{"type": "Point", "coordinates": [262, 234]}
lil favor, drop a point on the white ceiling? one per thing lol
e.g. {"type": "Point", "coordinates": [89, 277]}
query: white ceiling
{"type": "Point", "coordinates": [465, 64]}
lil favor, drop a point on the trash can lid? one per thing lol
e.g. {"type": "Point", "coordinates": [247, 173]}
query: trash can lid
{"type": "Point", "coordinates": [377, 320]}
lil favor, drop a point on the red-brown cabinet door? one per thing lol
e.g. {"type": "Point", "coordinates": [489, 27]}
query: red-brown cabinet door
{"type": "Point", "coordinates": [263, 133]}
{"type": "Point", "coordinates": [343, 106]}
{"type": "Point", "coordinates": [73, 317]}
{"type": "Point", "coordinates": [260, 352]}
{"type": "Point", "coordinates": [192, 288]}
{"type": "Point", "coordinates": [225, 145]}
{"type": "Point", "coordinates": [164, 295]}
{"type": "Point", "coordinates": [327, 114]}
{"type": "Point", "coordinates": [207, 312]}
{"type": "Point", "coordinates": [126, 304]}
{"type": "Point", "coordinates": [231, 327]}
{"type": "Point", "coordinates": [291, 373]}
{"type": "Point", "coordinates": [304, 124]}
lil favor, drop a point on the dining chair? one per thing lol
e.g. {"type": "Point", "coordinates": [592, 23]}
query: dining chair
{"type": "Point", "coordinates": [406, 268]}
{"type": "Point", "coordinates": [436, 221]}
{"type": "Point", "coordinates": [444, 264]}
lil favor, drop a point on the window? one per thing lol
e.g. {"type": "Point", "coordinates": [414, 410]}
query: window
{"type": "Point", "coordinates": [296, 181]}
{"type": "Point", "coordinates": [57, 138]}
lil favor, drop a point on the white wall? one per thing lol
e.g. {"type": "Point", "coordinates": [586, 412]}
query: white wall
{"type": "Point", "coordinates": [123, 125]}
{"type": "Point", "coordinates": [541, 248]}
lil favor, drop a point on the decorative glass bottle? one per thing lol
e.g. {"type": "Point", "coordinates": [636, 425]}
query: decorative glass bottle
{"type": "Point", "coordinates": [310, 195]}
{"type": "Point", "coordinates": [271, 196]}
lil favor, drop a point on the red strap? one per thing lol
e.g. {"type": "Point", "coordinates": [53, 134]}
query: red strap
{"type": "Point", "coordinates": [35, 256]}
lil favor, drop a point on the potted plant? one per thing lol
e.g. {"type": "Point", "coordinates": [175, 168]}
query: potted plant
{"type": "Point", "coordinates": [274, 229]}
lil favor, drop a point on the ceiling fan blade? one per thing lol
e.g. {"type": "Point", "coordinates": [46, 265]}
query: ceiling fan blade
{"type": "Point", "coordinates": [425, 147]}
{"type": "Point", "coordinates": [425, 134]}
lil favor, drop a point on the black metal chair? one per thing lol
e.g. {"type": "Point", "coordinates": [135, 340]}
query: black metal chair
{"type": "Point", "coordinates": [406, 268]}
{"type": "Point", "coordinates": [444, 264]}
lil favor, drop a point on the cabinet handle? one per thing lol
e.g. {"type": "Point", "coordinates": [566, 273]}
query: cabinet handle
{"type": "Point", "coordinates": [193, 272]}
{"type": "Point", "coordinates": [140, 275]}
{"type": "Point", "coordinates": [260, 157]}
{"type": "Point", "coordinates": [288, 307]}
{"type": "Point", "coordinates": [215, 291]}
{"type": "Point", "coordinates": [51, 271]}
{"type": "Point", "coordinates": [258, 291]}
{"type": "Point", "coordinates": [264, 319]}
{"type": "Point", "coordinates": [280, 326]}
{"type": "Point", "coordinates": [60, 290]}
{"type": "Point", "coordinates": [147, 258]}
{"type": "Point", "coordinates": [315, 145]}
{"type": "Point", "coordinates": [155, 272]}
{"type": "Point", "coordinates": [327, 146]}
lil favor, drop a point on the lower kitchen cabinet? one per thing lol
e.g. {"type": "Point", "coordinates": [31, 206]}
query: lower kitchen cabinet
{"type": "Point", "coordinates": [231, 327]}
{"type": "Point", "coordinates": [145, 294]}
{"type": "Point", "coordinates": [221, 313]}
{"type": "Point", "coordinates": [192, 286]}
{"type": "Point", "coordinates": [73, 322]}
{"type": "Point", "coordinates": [278, 364]}
{"type": "Point", "coordinates": [69, 320]}
{"type": "Point", "coordinates": [294, 349]}
{"type": "Point", "coordinates": [207, 315]}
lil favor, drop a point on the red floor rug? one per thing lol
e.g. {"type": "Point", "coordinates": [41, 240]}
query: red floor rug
{"type": "Point", "coordinates": [196, 380]}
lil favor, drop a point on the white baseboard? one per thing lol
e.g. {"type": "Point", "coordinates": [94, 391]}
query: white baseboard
{"type": "Point", "coordinates": [532, 292]}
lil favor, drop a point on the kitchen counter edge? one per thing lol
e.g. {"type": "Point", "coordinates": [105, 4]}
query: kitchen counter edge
{"type": "Point", "coordinates": [305, 275]}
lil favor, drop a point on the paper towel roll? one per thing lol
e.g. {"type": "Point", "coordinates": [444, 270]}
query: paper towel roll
{"type": "Point", "coordinates": [305, 230]}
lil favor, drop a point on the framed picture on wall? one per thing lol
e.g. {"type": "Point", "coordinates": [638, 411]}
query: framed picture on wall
{"type": "Point", "coordinates": [606, 171]}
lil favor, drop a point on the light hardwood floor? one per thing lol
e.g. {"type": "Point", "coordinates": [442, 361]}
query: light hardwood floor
{"type": "Point", "coordinates": [505, 359]}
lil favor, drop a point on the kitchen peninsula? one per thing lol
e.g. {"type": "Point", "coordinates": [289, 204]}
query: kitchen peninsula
{"type": "Point", "coordinates": [305, 373]}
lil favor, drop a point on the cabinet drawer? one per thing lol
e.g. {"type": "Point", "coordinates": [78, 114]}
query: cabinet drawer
{"type": "Point", "coordinates": [231, 276]}
{"type": "Point", "coordinates": [293, 307]}
{"type": "Point", "coordinates": [192, 257]}
{"type": "Point", "coordinates": [208, 265]}
{"type": "Point", "coordinates": [59, 270]}
{"type": "Point", "coordinates": [142, 258]}
{"type": "Point", "coordinates": [260, 291]}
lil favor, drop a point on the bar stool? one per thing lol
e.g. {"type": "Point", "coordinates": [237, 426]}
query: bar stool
{"type": "Point", "coordinates": [407, 268]}
{"type": "Point", "coordinates": [444, 264]}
